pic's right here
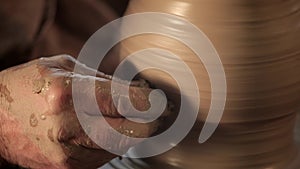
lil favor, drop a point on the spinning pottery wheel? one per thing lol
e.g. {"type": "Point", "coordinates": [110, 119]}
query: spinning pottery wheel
{"type": "Point", "coordinates": [258, 43]}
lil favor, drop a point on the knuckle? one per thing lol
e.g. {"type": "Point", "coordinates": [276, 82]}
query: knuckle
{"type": "Point", "coordinates": [57, 94]}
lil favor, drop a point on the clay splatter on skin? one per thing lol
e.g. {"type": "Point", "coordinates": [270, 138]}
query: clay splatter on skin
{"type": "Point", "coordinates": [67, 82]}
{"type": "Point", "coordinates": [43, 117]}
{"type": "Point", "coordinates": [50, 135]}
{"type": "Point", "coordinates": [33, 120]}
{"type": "Point", "coordinates": [4, 92]}
{"type": "Point", "coordinates": [40, 85]}
{"type": "Point", "coordinates": [127, 132]}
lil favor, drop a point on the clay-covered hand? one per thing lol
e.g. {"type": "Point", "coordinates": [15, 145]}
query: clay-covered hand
{"type": "Point", "coordinates": [39, 127]}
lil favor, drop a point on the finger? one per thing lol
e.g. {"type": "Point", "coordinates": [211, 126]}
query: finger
{"type": "Point", "coordinates": [108, 113]}
{"type": "Point", "coordinates": [66, 63]}
{"type": "Point", "coordinates": [84, 89]}
{"type": "Point", "coordinates": [59, 93]}
{"type": "Point", "coordinates": [110, 137]}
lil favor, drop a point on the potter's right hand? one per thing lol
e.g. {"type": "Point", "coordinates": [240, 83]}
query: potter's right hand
{"type": "Point", "coordinates": [39, 127]}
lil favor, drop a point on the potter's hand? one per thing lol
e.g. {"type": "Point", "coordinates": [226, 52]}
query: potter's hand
{"type": "Point", "coordinates": [39, 127]}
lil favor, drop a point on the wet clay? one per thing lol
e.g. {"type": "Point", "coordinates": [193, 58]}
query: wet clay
{"type": "Point", "coordinates": [50, 134]}
{"type": "Point", "coordinates": [127, 132]}
{"type": "Point", "coordinates": [33, 121]}
{"type": "Point", "coordinates": [258, 44]}
{"type": "Point", "coordinates": [43, 117]}
{"type": "Point", "coordinates": [40, 85]}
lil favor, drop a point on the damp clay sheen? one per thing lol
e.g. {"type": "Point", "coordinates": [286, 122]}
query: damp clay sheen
{"type": "Point", "coordinates": [258, 44]}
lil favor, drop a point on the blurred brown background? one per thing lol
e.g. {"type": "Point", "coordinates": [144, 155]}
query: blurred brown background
{"type": "Point", "coordinates": [36, 28]}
